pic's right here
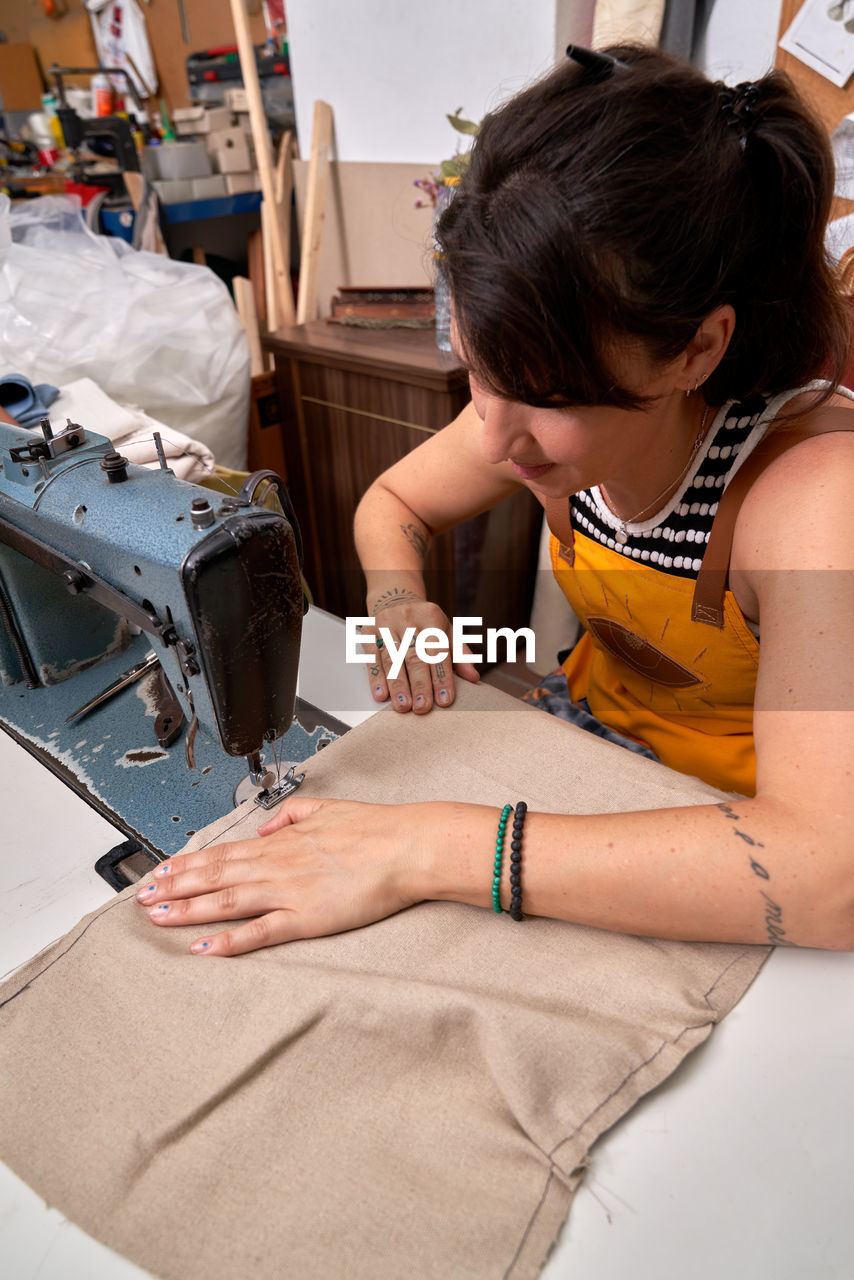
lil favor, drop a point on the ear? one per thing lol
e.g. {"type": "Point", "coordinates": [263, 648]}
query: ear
{"type": "Point", "coordinates": [706, 349]}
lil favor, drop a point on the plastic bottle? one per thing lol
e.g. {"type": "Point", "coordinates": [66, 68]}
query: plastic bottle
{"type": "Point", "coordinates": [103, 95]}
{"type": "Point", "coordinates": [442, 292]}
{"type": "Point", "coordinates": [49, 108]}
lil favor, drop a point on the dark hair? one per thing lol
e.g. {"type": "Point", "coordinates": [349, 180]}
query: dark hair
{"type": "Point", "coordinates": [597, 208]}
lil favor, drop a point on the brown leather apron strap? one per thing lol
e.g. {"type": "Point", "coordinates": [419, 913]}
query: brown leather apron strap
{"type": "Point", "coordinates": [708, 601]}
{"type": "Point", "coordinates": [558, 520]}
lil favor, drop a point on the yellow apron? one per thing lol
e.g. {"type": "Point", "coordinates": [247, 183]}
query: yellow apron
{"type": "Point", "coordinates": [650, 672]}
{"type": "Point", "coordinates": [667, 660]}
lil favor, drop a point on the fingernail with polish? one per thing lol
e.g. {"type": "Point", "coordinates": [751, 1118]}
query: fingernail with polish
{"type": "Point", "coordinates": [198, 948]}
{"type": "Point", "coordinates": [443, 695]}
{"type": "Point", "coordinates": [401, 697]}
{"type": "Point", "coordinates": [142, 894]}
{"type": "Point", "coordinates": [164, 869]}
{"type": "Point", "coordinates": [160, 911]}
{"type": "Point", "coordinates": [419, 701]}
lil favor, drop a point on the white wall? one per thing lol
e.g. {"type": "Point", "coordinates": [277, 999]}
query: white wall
{"type": "Point", "coordinates": [392, 69]}
{"type": "Point", "coordinates": [740, 40]}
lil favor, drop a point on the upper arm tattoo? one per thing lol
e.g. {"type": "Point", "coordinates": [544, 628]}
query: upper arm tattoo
{"type": "Point", "coordinates": [416, 538]}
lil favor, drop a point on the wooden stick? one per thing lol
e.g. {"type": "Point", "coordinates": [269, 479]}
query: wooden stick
{"type": "Point", "coordinates": [284, 186]}
{"type": "Point", "coordinates": [135, 185]}
{"type": "Point", "coordinates": [284, 172]}
{"type": "Point", "coordinates": [256, 275]}
{"type": "Point", "coordinates": [264, 156]}
{"type": "Point", "coordinates": [244, 300]}
{"type": "Point", "coordinates": [315, 201]}
{"type": "Point", "coordinates": [267, 219]}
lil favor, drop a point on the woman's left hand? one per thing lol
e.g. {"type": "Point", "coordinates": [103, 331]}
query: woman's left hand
{"type": "Point", "coordinates": [318, 867]}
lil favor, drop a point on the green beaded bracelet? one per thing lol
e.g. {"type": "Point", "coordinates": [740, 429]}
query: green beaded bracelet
{"type": "Point", "coordinates": [499, 854]}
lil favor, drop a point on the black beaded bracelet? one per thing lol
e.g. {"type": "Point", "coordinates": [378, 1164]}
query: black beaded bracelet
{"type": "Point", "coordinates": [515, 908]}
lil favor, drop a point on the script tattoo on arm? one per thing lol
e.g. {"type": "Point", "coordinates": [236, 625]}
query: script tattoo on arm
{"type": "Point", "coordinates": [773, 911]}
{"type": "Point", "coordinates": [415, 537]}
{"type": "Point", "coordinates": [396, 595]}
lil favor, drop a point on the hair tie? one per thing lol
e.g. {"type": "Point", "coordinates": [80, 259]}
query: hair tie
{"type": "Point", "coordinates": [738, 107]}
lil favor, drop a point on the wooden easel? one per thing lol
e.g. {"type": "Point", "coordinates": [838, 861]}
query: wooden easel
{"type": "Point", "coordinates": [280, 291]}
{"type": "Point", "coordinates": [265, 446]}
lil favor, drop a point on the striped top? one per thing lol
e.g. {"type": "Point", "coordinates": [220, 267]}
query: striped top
{"type": "Point", "coordinates": [674, 538]}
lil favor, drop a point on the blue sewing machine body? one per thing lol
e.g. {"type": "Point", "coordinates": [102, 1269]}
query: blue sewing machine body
{"type": "Point", "coordinates": [102, 564]}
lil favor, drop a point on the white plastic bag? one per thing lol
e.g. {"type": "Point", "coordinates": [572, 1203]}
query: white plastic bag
{"type": "Point", "coordinates": [147, 329]}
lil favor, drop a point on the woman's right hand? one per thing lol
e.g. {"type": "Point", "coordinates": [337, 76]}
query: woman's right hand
{"type": "Point", "coordinates": [417, 685]}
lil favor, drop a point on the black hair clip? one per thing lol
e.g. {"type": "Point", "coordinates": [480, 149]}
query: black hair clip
{"type": "Point", "coordinates": [594, 60]}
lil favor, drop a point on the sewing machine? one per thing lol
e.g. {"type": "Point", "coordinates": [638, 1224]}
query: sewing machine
{"type": "Point", "coordinates": [149, 632]}
{"type": "Point", "coordinates": [752, 1134]}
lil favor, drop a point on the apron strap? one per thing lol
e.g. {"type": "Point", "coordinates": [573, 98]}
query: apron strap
{"type": "Point", "coordinates": [708, 602]}
{"type": "Point", "coordinates": [558, 520]}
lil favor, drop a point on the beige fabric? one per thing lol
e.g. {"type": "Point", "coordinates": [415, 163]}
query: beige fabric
{"type": "Point", "coordinates": [416, 1098]}
{"type": "Point", "coordinates": [618, 21]}
{"type": "Point", "coordinates": [132, 430]}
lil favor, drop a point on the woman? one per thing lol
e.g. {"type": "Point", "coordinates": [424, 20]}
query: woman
{"type": "Point", "coordinates": [641, 296]}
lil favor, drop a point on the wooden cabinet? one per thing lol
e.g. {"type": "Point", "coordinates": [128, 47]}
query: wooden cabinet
{"type": "Point", "coordinates": [355, 400]}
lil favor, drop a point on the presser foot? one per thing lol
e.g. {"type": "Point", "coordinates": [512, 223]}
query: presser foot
{"type": "Point", "coordinates": [280, 782]}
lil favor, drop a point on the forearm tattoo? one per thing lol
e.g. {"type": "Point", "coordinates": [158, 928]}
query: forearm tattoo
{"type": "Point", "coordinates": [397, 595]}
{"type": "Point", "coordinates": [773, 911]}
{"type": "Point", "coordinates": [416, 538]}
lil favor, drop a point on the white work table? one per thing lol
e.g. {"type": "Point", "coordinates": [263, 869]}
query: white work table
{"type": "Point", "coordinates": [739, 1166]}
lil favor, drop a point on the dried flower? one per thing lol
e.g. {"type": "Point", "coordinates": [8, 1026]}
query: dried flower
{"type": "Point", "coordinates": [430, 188]}
{"type": "Point", "coordinates": [450, 171]}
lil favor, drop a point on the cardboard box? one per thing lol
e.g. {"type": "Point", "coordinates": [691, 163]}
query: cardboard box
{"type": "Point", "coordinates": [237, 99]}
{"type": "Point", "coordinates": [190, 120]}
{"type": "Point", "coordinates": [223, 139]}
{"type": "Point", "coordinates": [232, 160]}
{"type": "Point", "coordinates": [237, 184]}
{"type": "Point", "coordinates": [211, 188]}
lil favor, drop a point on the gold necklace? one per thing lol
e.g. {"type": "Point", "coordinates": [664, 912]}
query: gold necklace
{"type": "Point", "coordinates": [622, 533]}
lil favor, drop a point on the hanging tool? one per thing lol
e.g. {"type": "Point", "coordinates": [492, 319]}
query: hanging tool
{"type": "Point", "coordinates": [134, 673]}
{"type": "Point", "coordinates": [185, 30]}
{"type": "Point", "coordinates": [170, 715]}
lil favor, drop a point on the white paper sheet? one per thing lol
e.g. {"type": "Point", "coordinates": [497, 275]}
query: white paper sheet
{"type": "Point", "coordinates": [842, 145]}
{"type": "Point", "coordinates": [822, 37]}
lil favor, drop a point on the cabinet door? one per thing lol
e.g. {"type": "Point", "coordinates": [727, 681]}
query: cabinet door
{"type": "Point", "coordinates": [343, 429]}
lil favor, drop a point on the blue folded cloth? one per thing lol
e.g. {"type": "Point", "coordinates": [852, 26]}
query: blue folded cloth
{"type": "Point", "coordinates": [26, 403]}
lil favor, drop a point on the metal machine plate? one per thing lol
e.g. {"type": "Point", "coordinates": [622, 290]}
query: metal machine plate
{"type": "Point", "coordinates": [113, 760]}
